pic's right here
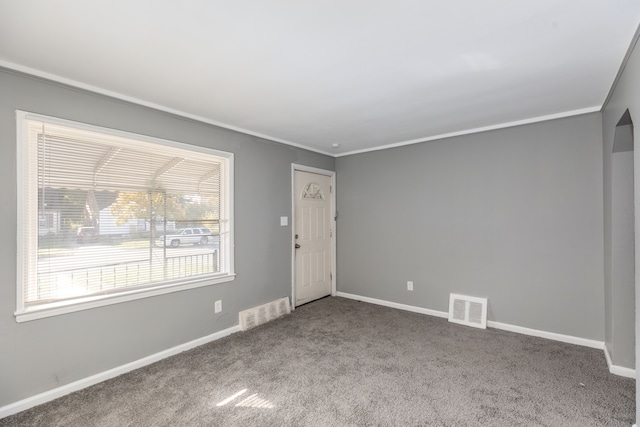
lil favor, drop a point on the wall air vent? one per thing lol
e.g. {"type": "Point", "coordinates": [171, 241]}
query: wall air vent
{"type": "Point", "coordinates": [470, 311]}
{"type": "Point", "coordinates": [262, 314]}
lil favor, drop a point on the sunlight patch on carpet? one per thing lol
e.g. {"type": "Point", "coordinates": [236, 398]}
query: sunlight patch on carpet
{"type": "Point", "coordinates": [232, 397]}
{"type": "Point", "coordinates": [253, 401]}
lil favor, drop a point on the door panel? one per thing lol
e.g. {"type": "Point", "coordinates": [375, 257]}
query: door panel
{"type": "Point", "coordinates": [313, 231]}
{"type": "Point", "coordinates": [305, 267]}
{"type": "Point", "coordinates": [320, 216]}
{"type": "Point", "coordinates": [320, 262]}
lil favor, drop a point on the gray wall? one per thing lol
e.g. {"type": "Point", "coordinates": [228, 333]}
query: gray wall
{"type": "Point", "coordinates": [40, 355]}
{"type": "Point", "coordinates": [622, 255]}
{"type": "Point", "coordinates": [619, 250]}
{"type": "Point", "coordinates": [626, 95]}
{"type": "Point", "coordinates": [515, 215]}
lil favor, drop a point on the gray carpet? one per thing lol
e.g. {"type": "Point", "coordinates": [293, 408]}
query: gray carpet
{"type": "Point", "coordinates": [337, 362]}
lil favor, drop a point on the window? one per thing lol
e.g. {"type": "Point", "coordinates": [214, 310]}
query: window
{"type": "Point", "coordinates": [312, 191]}
{"type": "Point", "coordinates": [108, 216]}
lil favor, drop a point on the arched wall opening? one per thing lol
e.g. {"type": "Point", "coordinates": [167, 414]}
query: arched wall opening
{"type": "Point", "coordinates": [621, 299]}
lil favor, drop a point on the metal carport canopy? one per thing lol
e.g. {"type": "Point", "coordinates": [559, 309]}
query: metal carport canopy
{"type": "Point", "coordinates": [88, 160]}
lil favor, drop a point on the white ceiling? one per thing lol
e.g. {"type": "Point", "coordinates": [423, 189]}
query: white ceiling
{"type": "Point", "coordinates": [360, 73]}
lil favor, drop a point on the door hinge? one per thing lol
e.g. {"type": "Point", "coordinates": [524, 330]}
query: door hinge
{"type": "Point", "coordinates": [330, 276]}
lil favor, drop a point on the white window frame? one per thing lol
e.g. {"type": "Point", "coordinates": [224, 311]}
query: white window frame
{"type": "Point", "coordinates": [25, 226]}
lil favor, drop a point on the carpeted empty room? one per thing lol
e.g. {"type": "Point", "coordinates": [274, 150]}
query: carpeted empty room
{"type": "Point", "coordinates": [279, 213]}
{"type": "Point", "coordinates": [340, 362]}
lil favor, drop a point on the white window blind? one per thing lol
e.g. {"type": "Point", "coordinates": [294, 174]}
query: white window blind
{"type": "Point", "coordinates": [106, 214]}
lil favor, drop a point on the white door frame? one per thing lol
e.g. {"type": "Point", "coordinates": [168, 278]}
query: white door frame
{"type": "Point", "coordinates": [295, 167]}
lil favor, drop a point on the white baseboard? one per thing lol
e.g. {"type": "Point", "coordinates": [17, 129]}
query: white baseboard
{"type": "Point", "coordinates": [47, 396]}
{"type": "Point", "coordinates": [490, 323]}
{"type": "Point", "coordinates": [569, 339]}
{"type": "Point", "coordinates": [394, 305]}
{"type": "Point", "coordinates": [618, 370]}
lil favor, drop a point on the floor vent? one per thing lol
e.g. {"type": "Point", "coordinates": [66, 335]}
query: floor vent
{"type": "Point", "coordinates": [263, 313]}
{"type": "Point", "coordinates": [470, 311]}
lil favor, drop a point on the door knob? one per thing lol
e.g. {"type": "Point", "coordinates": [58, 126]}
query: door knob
{"type": "Point", "coordinates": [297, 246]}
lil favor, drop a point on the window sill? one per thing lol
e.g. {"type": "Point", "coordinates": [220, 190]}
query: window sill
{"type": "Point", "coordinates": [42, 311]}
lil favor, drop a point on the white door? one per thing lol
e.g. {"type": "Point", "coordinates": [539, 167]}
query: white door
{"type": "Point", "coordinates": [313, 235]}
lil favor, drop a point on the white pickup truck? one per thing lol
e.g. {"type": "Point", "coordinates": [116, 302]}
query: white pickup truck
{"type": "Point", "coordinates": [196, 236]}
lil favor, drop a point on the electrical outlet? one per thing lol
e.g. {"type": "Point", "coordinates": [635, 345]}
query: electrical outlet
{"type": "Point", "coordinates": [218, 306]}
{"type": "Point", "coordinates": [409, 285]}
